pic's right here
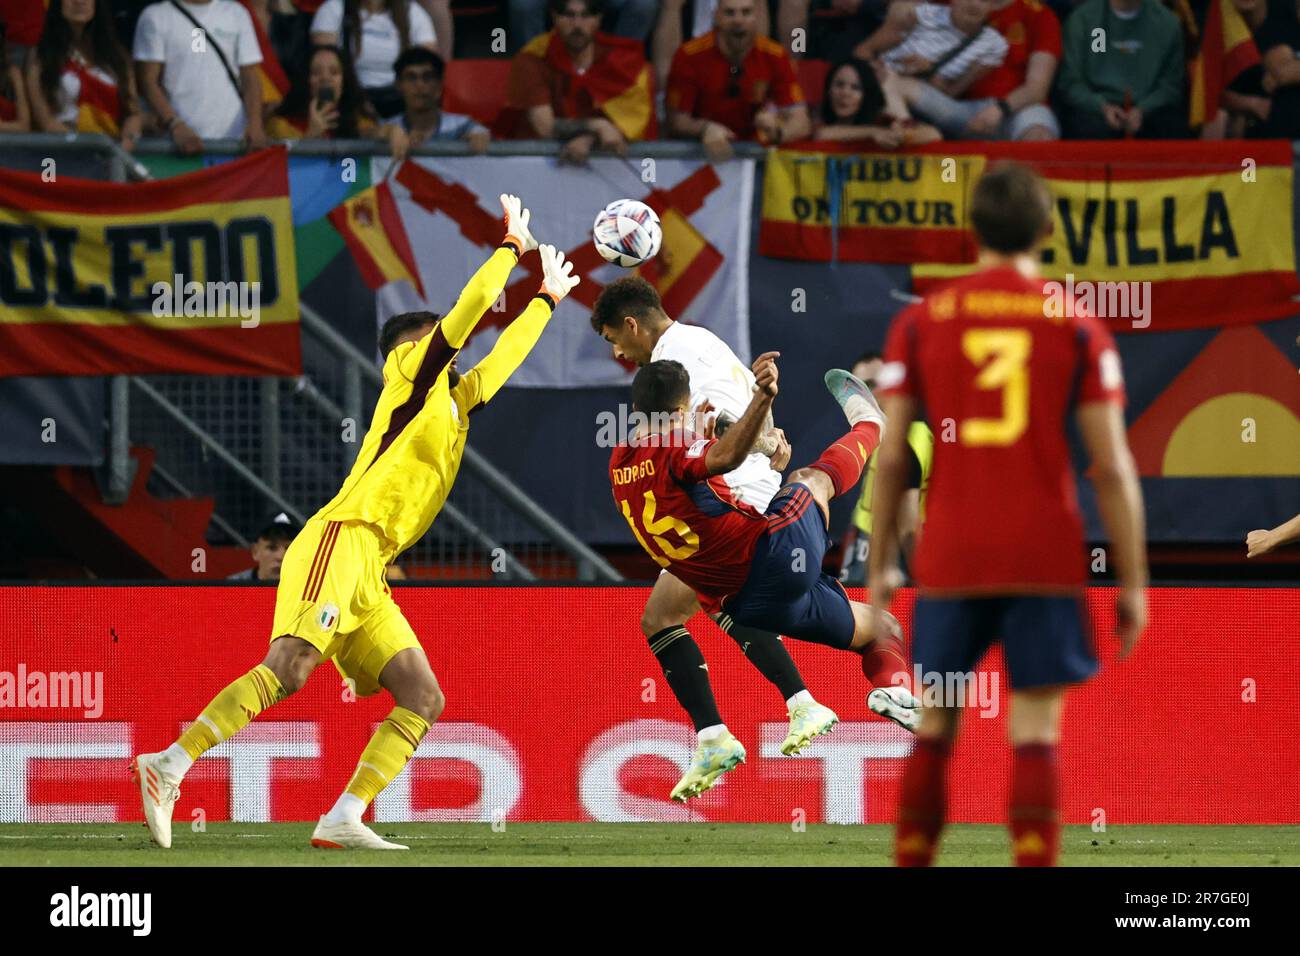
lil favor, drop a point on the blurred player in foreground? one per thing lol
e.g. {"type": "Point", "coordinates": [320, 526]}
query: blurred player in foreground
{"type": "Point", "coordinates": [920, 447]}
{"type": "Point", "coordinates": [1001, 556]}
{"type": "Point", "coordinates": [332, 601]}
{"type": "Point", "coordinates": [764, 569]}
{"type": "Point", "coordinates": [630, 317]}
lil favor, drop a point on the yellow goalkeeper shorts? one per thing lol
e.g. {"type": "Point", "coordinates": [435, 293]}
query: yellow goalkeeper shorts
{"type": "Point", "coordinates": [333, 595]}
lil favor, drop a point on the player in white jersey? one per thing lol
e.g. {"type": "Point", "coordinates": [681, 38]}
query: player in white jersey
{"type": "Point", "coordinates": [629, 315]}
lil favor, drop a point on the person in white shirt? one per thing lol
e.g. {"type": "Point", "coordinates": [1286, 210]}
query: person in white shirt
{"type": "Point", "coordinates": [196, 64]}
{"type": "Point", "coordinates": [949, 47]}
{"type": "Point", "coordinates": [629, 315]}
{"type": "Point", "coordinates": [376, 32]}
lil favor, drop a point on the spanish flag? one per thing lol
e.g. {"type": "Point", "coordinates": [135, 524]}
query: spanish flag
{"type": "Point", "coordinates": [275, 85]}
{"type": "Point", "coordinates": [192, 275]}
{"type": "Point", "coordinates": [619, 83]}
{"type": "Point", "coordinates": [99, 108]}
{"type": "Point", "coordinates": [1224, 48]}
{"type": "Point", "coordinates": [372, 228]}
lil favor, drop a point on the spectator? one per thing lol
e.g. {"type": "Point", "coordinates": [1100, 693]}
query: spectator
{"type": "Point", "coordinates": [948, 48]}
{"type": "Point", "coordinates": [690, 19]}
{"type": "Point", "coordinates": [862, 102]}
{"type": "Point", "coordinates": [1279, 43]}
{"type": "Point", "coordinates": [79, 78]}
{"type": "Point", "coordinates": [572, 85]}
{"type": "Point", "coordinates": [419, 78]}
{"type": "Point", "coordinates": [828, 29]}
{"type": "Point", "coordinates": [732, 83]}
{"type": "Point", "coordinates": [268, 550]}
{"type": "Point", "coordinates": [325, 102]}
{"type": "Point", "coordinates": [1010, 100]}
{"type": "Point", "coordinates": [631, 19]}
{"type": "Point", "coordinates": [1244, 100]}
{"type": "Point", "coordinates": [1134, 87]}
{"type": "Point", "coordinates": [208, 93]}
{"type": "Point", "coordinates": [14, 115]}
{"type": "Point", "coordinates": [375, 32]}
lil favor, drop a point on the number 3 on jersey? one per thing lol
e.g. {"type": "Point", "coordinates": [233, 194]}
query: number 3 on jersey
{"type": "Point", "coordinates": [1007, 353]}
{"type": "Point", "coordinates": [655, 527]}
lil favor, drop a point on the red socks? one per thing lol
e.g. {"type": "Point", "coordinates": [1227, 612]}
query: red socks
{"type": "Point", "coordinates": [922, 804]}
{"type": "Point", "coordinates": [845, 459]}
{"type": "Point", "coordinates": [884, 661]}
{"type": "Point", "coordinates": [1035, 805]}
{"type": "Point", "coordinates": [1035, 811]}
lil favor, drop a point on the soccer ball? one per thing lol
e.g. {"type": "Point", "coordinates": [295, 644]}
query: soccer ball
{"type": "Point", "coordinates": [627, 233]}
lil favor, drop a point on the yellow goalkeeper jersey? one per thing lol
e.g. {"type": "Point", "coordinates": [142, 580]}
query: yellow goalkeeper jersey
{"type": "Point", "coordinates": [412, 451]}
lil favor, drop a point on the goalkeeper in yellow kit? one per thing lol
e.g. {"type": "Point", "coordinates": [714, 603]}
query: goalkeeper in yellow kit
{"type": "Point", "coordinates": [332, 601]}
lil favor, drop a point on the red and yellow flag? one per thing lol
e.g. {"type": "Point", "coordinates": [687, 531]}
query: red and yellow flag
{"type": "Point", "coordinates": [99, 107]}
{"type": "Point", "coordinates": [619, 84]}
{"type": "Point", "coordinates": [1196, 220]}
{"type": "Point", "coordinates": [192, 275]}
{"type": "Point", "coordinates": [372, 228]}
{"type": "Point", "coordinates": [1226, 49]}
{"type": "Point", "coordinates": [275, 85]}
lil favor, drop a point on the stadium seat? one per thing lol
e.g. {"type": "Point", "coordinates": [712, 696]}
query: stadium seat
{"type": "Point", "coordinates": [476, 87]}
{"type": "Point", "coordinates": [812, 77]}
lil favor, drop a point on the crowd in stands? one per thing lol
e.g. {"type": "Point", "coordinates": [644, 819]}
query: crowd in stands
{"type": "Point", "coordinates": [598, 74]}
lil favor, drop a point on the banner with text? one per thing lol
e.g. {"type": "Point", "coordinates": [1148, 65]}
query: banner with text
{"type": "Point", "coordinates": [587, 729]}
{"type": "Point", "coordinates": [190, 275]}
{"type": "Point", "coordinates": [1207, 224]}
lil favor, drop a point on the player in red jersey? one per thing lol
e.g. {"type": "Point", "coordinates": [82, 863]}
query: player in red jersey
{"type": "Point", "coordinates": [762, 568]}
{"type": "Point", "coordinates": [1001, 556]}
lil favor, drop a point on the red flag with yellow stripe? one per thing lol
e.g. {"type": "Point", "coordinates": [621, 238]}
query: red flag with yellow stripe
{"type": "Point", "coordinates": [620, 84]}
{"type": "Point", "coordinates": [99, 105]}
{"type": "Point", "coordinates": [192, 275]}
{"type": "Point", "coordinates": [271, 75]}
{"type": "Point", "coordinates": [1226, 49]}
{"type": "Point", "coordinates": [372, 228]}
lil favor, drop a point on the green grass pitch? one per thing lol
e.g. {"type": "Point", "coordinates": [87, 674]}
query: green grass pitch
{"type": "Point", "coordinates": [631, 844]}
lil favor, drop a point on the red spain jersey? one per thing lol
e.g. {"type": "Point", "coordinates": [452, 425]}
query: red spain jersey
{"type": "Point", "coordinates": [685, 519]}
{"type": "Point", "coordinates": [704, 84]}
{"type": "Point", "coordinates": [1028, 26]}
{"type": "Point", "coordinates": [997, 379]}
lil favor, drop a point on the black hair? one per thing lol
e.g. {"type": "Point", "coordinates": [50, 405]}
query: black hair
{"type": "Point", "coordinates": [1011, 209]}
{"type": "Point", "coordinates": [630, 295]}
{"type": "Point", "coordinates": [419, 56]}
{"type": "Point", "coordinates": [873, 97]}
{"type": "Point", "coordinates": [278, 531]}
{"type": "Point", "coordinates": [595, 8]}
{"type": "Point", "coordinates": [662, 386]}
{"type": "Point", "coordinates": [352, 105]}
{"type": "Point", "coordinates": [55, 46]}
{"type": "Point", "coordinates": [395, 326]}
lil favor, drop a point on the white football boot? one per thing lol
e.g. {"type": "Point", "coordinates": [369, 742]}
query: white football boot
{"type": "Point", "coordinates": [159, 792]}
{"type": "Point", "coordinates": [352, 835]}
{"type": "Point", "coordinates": [897, 704]}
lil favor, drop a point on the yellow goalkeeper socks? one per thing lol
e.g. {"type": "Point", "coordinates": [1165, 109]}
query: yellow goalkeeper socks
{"type": "Point", "coordinates": [231, 710]}
{"type": "Point", "coordinates": [387, 753]}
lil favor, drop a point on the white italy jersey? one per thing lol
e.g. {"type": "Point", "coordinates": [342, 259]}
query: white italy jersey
{"type": "Point", "coordinates": [721, 378]}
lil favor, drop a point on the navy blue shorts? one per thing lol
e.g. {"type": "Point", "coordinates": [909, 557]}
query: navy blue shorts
{"type": "Point", "coordinates": [786, 590]}
{"type": "Point", "coordinates": [1045, 640]}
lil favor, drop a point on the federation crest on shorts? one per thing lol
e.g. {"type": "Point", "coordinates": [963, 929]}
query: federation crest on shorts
{"type": "Point", "coordinates": [327, 617]}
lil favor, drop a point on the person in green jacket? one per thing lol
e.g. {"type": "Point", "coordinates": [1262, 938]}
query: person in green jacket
{"type": "Point", "coordinates": [1122, 71]}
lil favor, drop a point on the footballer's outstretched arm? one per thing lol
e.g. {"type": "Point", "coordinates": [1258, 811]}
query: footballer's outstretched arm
{"type": "Point", "coordinates": [485, 379]}
{"type": "Point", "coordinates": [432, 354]}
{"type": "Point", "coordinates": [1262, 542]}
{"type": "Point", "coordinates": [729, 451]}
{"type": "Point", "coordinates": [483, 289]}
{"type": "Point", "coordinates": [1119, 500]}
